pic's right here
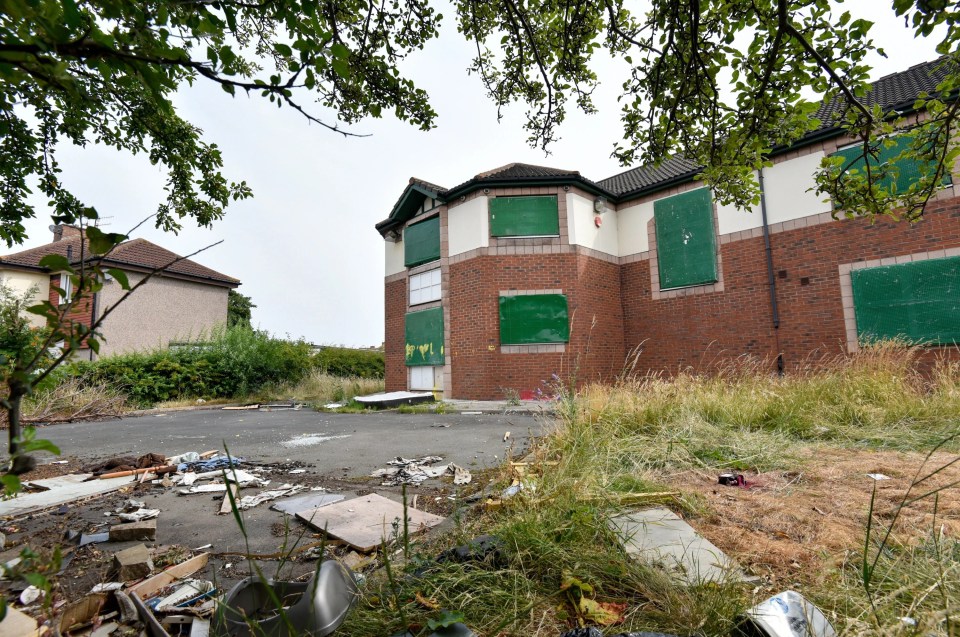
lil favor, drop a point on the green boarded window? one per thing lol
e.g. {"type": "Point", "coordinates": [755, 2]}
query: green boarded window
{"type": "Point", "coordinates": [909, 171]}
{"type": "Point", "coordinates": [918, 301]}
{"type": "Point", "coordinates": [534, 318]}
{"type": "Point", "coordinates": [421, 242]}
{"type": "Point", "coordinates": [686, 243]}
{"type": "Point", "coordinates": [424, 337]}
{"type": "Point", "coordinates": [524, 216]}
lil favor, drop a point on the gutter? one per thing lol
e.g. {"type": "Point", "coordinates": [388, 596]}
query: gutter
{"type": "Point", "coordinates": [771, 279]}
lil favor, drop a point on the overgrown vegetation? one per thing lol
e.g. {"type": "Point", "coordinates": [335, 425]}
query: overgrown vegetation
{"type": "Point", "coordinates": [805, 442]}
{"type": "Point", "coordinates": [230, 363]}
{"type": "Point", "coordinates": [341, 361]}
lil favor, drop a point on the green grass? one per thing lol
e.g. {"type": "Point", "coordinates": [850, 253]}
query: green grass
{"type": "Point", "coordinates": [631, 438]}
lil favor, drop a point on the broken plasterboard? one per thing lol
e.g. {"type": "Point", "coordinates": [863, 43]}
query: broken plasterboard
{"type": "Point", "coordinates": [62, 490]}
{"type": "Point", "coordinates": [365, 522]}
{"type": "Point", "coordinates": [306, 502]}
{"type": "Point", "coordinates": [659, 536]}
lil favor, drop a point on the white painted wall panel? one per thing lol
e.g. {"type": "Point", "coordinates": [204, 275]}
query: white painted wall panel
{"type": "Point", "coordinates": [733, 219]}
{"type": "Point", "coordinates": [393, 257]}
{"type": "Point", "coordinates": [789, 189]}
{"type": "Point", "coordinates": [583, 231]}
{"type": "Point", "coordinates": [632, 223]}
{"type": "Point", "coordinates": [468, 226]}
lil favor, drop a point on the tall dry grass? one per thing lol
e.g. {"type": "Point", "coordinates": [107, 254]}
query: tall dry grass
{"type": "Point", "coordinates": [319, 388]}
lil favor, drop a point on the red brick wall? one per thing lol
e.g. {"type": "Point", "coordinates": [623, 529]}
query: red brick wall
{"type": "Point", "coordinates": [700, 331]}
{"type": "Point", "coordinates": [394, 339]}
{"type": "Point", "coordinates": [481, 371]}
{"type": "Point", "coordinates": [81, 311]}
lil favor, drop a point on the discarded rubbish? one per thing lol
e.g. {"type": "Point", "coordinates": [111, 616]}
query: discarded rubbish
{"type": "Point", "coordinates": [139, 515]}
{"type": "Point", "coordinates": [457, 629]}
{"type": "Point", "coordinates": [662, 538]}
{"type": "Point", "coordinates": [787, 614]}
{"type": "Point", "coordinates": [395, 399]}
{"type": "Point", "coordinates": [241, 407]}
{"type": "Point", "coordinates": [594, 632]}
{"type": "Point", "coordinates": [30, 594]}
{"type": "Point", "coordinates": [250, 501]}
{"type": "Point", "coordinates": [878, 476]}
{"type": "Point", "coordinates": [305, 503]}
{"type": "Point", "coordinates": [186, 593]}
{"type": "Point", "coordinates": [321, 605]}
{"type": "Point", "coordinates": [59, 491]}
{"type": "Point", "coordinates": [484, 548]}
{"type": "Point", "coordinates": [506, 436]}
{"type": "Point", "coordinates": [210, 464]}
{"type": "Point", "coordinates": [415, 471]}
{"type": "Point", "coordinates": [107, 587]}
{"type": "Point", "coordinates": [132, 563]}
{"type": "Point", "coordinates": [296, 471]}
{"type": "Point", "coordinates": [366, 522]}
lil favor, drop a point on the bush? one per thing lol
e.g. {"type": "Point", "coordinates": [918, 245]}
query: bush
{"type": "Point", "coordinates": [233, 363]}
{"type": "Point", "coordinates": [340, 361]}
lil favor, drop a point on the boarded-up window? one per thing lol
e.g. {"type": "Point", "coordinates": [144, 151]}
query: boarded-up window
{"type": "Point", "coordinates": [918, 302]}
{"type": "Point", "coordinates": [534, 318]}
{"type": "Point", "coordinates": [421, 242]}
{"type": "Point", "coordinates": [424, 337]}
{"type": "Point", "coordinates": [524, 216]}
{"type": "Point", "coordinates": [686, 243]}
{"type": "Point", "coordinates": [907, 171]}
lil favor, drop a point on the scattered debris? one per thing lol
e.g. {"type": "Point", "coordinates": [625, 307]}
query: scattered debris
{"type": "Point", "coordinates": [133, 563]}
{"type": "Point", "coordinates": [878, 476]}
{"type": "Point", "coordinates": [484, 548]}
{"type": "Point", "coordinates": [205, 488]}
{"type": "Point", "coordinates": [58, 491]}
{"type": "Point", "coordinates": [366, 522]}
{"type": "Point", "coordinates": [788, 614]}
{"type": "Point", "coordinates": [213, 463]}
{"type": "Point", "coordinates": [408, 471]}
{"type": "Point", "coordinates": [296, 471]}
{"type": "Point", "coordinates": [30, 594]}
{"type": "Point", "coordinates": [228, 499]}
{"type": "Point", "coordinates": [144, 531]}
{"type": "Point", "coordinates": [305, 503]}
{"type": "Point", "coordinates": [333, 405]}
{"type": "Point", "coordinates": [662, 538]}
{"type": "Point", "coordinates": [395, 399]}
{"type": "Point", "coordinates": [250, 501]}
{"type": "Point", "coordinates": [506, 436]}
{"type": "Point", "coordinates": [241, 407]}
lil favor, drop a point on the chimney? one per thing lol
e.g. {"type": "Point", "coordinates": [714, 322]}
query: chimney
{"type": "Point", "coordinates": [64, 231]}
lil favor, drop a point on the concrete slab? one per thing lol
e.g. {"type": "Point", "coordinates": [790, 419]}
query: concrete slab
{"type": "Point", "coordinates": [62, 490]}
{"type": "Point", "coordinates": [365, 522]}
{"type": "Point", "coordinates": [659, 536]}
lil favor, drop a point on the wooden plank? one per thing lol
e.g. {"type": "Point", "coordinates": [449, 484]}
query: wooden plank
{"type": "Point", "coordinates": [365, 522]}
{"type": "Point", "coordinates": [151, 585]}
{"type": "Point", "coordinates": [225, 505]}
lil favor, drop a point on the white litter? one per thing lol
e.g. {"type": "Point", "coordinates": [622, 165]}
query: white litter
{"type": "Point", "coordinates": [878, 476]}
{"type": "Point", "coordinates": [188, 479]}
{"type": "Point", "coordinates": [250, 501]}
{"type": "Point", "coordinates": [30, 594]}
{"type": "Point", "coordinates": [296, 471]}
{"type": "Point", "coordinates": [107, 587]}
{"type": "Point", "coordinates": [333, 406]}
{"type": "Point", "coordinates": [308, 440]}
{"type": "Point", "coordinates": [139, 515]}
{"type": "Point", "coordinates": [204, 488]}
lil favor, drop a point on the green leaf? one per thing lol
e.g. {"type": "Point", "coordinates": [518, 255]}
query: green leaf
{"type": "Point", "coordinates": [56, 263]}
{"type": "Point", "coordinates": [341, 67]}
{"type": "Point", "coordinates": [120, 276]}
{"type": "Point", "coordinates": [339, 51]}
{"type": "Point", "coordinates": [446, 619]}
{"type": "Point", "coordinates": [283, 49]}
{"type": "Point", "coordinates": [102, 242]}
{"type": "Point", "coordinates": [11, 483]}
{"type": "Point", "coordinates": [71, 14]}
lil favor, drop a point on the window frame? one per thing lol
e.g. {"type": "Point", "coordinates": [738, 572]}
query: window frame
{"type": "Point", "coordinates": [420, 275]}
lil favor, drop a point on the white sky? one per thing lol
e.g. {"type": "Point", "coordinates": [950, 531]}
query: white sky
{"type": "Point", "coordinates": [305, 246]}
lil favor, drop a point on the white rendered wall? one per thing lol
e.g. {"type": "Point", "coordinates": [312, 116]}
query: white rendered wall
{"type": "Point", "coordinates": [393, 257]}
{"type": "Point", "coordinates": [632, 222]}
{"type": "Point", "coordinates": [733, 219]}
{"type": "Point", "coordinates": [468, 226]}
{"type": "Point", "coordinates": [789, 189]}
{"type": "Point", "coordinates": [20, 282]}
{"type": "Point", "coordinates": [583, 231]}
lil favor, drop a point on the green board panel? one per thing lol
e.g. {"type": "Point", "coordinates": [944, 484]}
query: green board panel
{"type": "Point", "coordinates": [534, 318]}
{"type": "Point", "coordinates": [909, 171]}
{"type": "Point", "coordinates": [686, 241]}
{"type": "Point", "coordinates": [424, 337]}
{"type": "Point", "coordinates": [421, 242]}
{"type": "Point", "coordinates": [524, 216]}
{"type": "Point", "coordinates": [918, 302]}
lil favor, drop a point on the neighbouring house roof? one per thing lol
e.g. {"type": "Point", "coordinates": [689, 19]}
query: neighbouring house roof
{"type": "Point", "coordinates": [895, 92]}
{"type": "Point", "coordinates": [136, 254]}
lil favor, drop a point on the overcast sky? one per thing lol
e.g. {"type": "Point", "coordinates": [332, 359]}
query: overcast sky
{"type": "Point", "coordinates": [305, 246]}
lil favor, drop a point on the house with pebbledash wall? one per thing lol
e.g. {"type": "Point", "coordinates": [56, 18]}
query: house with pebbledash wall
{"type": "Point", "coordinates": [523, 272]}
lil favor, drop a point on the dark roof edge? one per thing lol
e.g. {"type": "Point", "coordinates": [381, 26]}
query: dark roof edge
{"type": "Point", "coordinates": [208, 280]}
{"type": "Point", "coordinates": [6, 265]}
{"type": "Point", "coordinates": [475, 184]}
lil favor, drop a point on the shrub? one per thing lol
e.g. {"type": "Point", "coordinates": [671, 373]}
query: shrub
{"type": "Point", "coordinates": [232, 363]}
{"type": "Point", "coordinates": [340, 361]}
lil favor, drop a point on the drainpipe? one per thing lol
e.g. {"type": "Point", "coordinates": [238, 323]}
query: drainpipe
{"type": "Point", "coordinates": [93, 319]}
{"type": "Point", "coordinates": [771, 279]}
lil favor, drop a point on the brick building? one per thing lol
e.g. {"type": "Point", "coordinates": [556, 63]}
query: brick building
{"type": "Point", "coordinates": [524, 271]}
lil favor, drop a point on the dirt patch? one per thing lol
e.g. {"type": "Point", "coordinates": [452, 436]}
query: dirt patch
{"type": "Point", "coordinates": [798, 526]}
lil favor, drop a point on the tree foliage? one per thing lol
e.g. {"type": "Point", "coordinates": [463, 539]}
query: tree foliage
{"type": "Point", "coordinates": [105, 71]}
{"type": "Point", "coordinates": [722, 82]}
{"type": "Point", "coordinates": [238, 309]}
